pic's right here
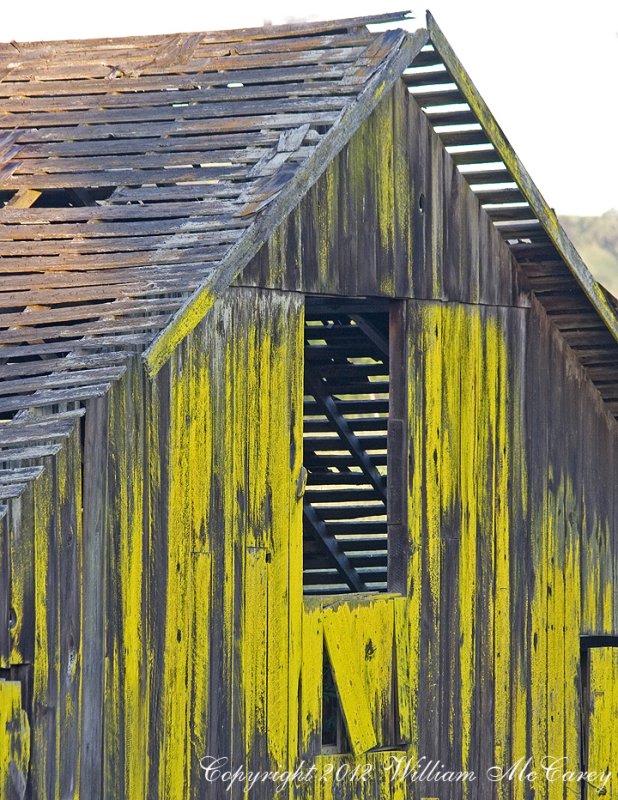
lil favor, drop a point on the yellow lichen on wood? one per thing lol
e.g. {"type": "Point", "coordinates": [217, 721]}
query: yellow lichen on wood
{"type": "Point", "coordinates": [131, 564]}
{"type": "Point", "coordinates": [383, 150]}
{"type": "Point", "coordinates": [602, 755]}
{"type": "Point", "coordinates": [417, 491]}
{"type": "Point", "coordinates": [310, 712]}
{"type": "Point", "coordinates": [347, 664]}
{"type": "Point", "coordinates": [406, 669]}
{"type": "Point", "coordinates": [14, 741]}
{"type": "Point", "coordinates": [556, 678]}
{"type": "Point", "coordinates": [295, 525]}
{"type": "Point", "coordinates": [254, 637]}
{"type": "Point", "coordinates": [572, 630]}
{"type": "Point", "coordinates": [498, 390]}
{"type": "Point", "coordinates": [44, 662]}
{"type": "Point", "coordinates": [175, 749]}
{"type": "Point", "coordinates": [326, 194]}
{"type": "Point", "coordinates": [190, 315]}
{"type": "Point", "coordinates": [538, 632]}
{"type": "Point", "coordinates": [471, 505]}
{"type": "Point", "coordinates": [126, 688]}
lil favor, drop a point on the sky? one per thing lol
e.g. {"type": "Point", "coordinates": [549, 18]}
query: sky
{"type": "Point", "coordinates": [548, 70]}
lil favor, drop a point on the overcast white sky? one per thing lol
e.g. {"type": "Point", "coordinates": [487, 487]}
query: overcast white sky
{"type": "Point", "coordinates": [548, 70]}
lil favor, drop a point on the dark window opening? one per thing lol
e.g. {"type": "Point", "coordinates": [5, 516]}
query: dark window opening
{"type": "Point", "coordinates": [334, 737]}
{"type": "Point", "coordinates": [346, 422]}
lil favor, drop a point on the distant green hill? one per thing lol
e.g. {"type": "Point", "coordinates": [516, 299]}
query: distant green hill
{"type": "Point", "coordinates": [596, 239]}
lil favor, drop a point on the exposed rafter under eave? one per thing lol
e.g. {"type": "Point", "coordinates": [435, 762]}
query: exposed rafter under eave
{"type": "Point", "coordinates": [545, 215]}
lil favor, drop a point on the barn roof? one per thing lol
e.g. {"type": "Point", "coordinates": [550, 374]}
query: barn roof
{"type": "Point", "coordinates": [138, 176]}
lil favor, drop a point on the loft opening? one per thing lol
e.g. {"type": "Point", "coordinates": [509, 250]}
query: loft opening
{"type": "Point", "coordinates": [350, 444]}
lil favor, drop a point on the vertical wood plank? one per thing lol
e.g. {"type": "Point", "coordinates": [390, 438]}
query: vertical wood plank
{"type": "Point", "coordinates": [14, 742]}
{"type": "Point", "coordinates": [45, 688]}
{"type": "Point", "coordinates": [603, 718]}
{"type": "Point", "coordinates": [347, 672]}
{"type": "Point", "coordinates": [22, 585]}
{"type": "Point", "coordinates": [69, 549]}
{"type": "Point", "coordinates": [126, 675]}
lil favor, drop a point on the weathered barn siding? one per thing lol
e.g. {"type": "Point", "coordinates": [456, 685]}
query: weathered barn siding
{"type": "Point", "coordinates": [159, 594]}
{"type": "Point", "coordinates": [206, 639]}
{"type": "Point", "coordinates": [391, 216]}
{"type": "Point", "coordinates": [45, 635]}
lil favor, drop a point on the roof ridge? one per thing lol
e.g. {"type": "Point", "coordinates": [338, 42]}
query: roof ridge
{"type": "Point", "coordinates": [266, 31]}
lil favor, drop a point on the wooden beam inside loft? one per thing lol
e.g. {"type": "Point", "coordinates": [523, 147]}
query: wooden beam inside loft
{"type": "Point", "coordinates": [24, 198]}
{"type": "Point", "coordinates": [330, 544]}
{"type": "Point", "coordinates": [316, 387]}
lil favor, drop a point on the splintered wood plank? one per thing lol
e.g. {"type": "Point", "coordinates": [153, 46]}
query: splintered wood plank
{"type": "Point", "coordinates": [195, 65]}
{"type": "Point", "coordinates": [93, 227]}
{"type": "Point", "coordinates": [433, 350]}
{"type": "Point", "coordinates": [167, 82]}
{"type": "Point", "coordinates": [164, 97]}
{"type": "Point", "coordinates": [178, 237]}
{"type": "Point", "coordinates": [109, 326]}
{"type": "Point", "coordinates": [77, 378]}
{"type": "Point", "coordinates": [22, 584]}
{"type": "Point", "coordinates": [538, 357]}
{"type": "Point", "coordinates": [210, 206]}
{"type": "Point", "coordinates": [345, 660]}
{"type": "Point", "coordinates": [104, 311]}
{"type": "Point", "coordinates": [175, 51]}
{"type": "Point", "coordinates": [204, 125]}
{"type": "Point", "coordinates": [19, 473]}
{"type": "Point", "coordinates": [34, 433]}
{"type": "Point", "coordinates": [12, 491]}
{"type": "Point", "coordinates": [171, 255]}
{"type": "Point", "coordinates": [14, 742]}
{"type": "Point", "coordinates": [310, 712]}
{"type": "Point", "coordinates": [200, 665]}
{"type": "Point", "coordinates": [43, 367]}
{"type": "Point", "coordinates": [82, 344]}
{"type": "Point", "coordinates": [266, 32]}
{"type": "Point", "coordinates": [520, 556]}
{"type": "Point", "coordinates": [162, 160]}
{"type": "Point", "coordinates": [295, 476]}
{"type": "Point", "coordinates": [68, 550]}
{"type": "Point", "coordinates": [122, 177]}
{"type": "Point", "coordinates": [18, 454]}
{"type": "Point", "coordinates": [53, 396]}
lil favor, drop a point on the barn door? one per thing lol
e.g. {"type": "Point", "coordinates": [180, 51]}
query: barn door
{"type": "Point", "coordinates": [602, 738]}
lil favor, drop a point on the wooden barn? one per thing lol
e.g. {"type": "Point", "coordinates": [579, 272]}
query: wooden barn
{"type": "Point", "coordinates": [308, 438]}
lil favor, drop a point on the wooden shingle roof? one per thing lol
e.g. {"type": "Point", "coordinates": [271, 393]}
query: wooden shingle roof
{"type": "Point", "coordinates": [135, 170]}
{"type": "Point", "coordinates": [138, 176]}
{"type": "Point", "coordinates": [131, 168]}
